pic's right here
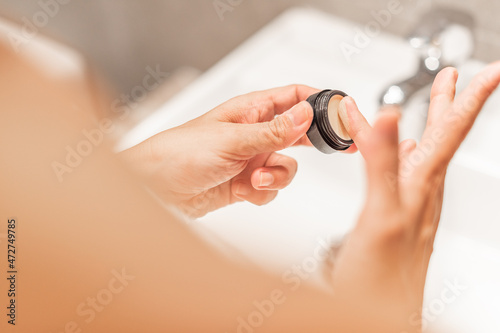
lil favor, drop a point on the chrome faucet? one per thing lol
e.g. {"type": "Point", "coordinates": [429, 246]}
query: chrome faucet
{"type": "Point", "coordinates": [444, 37]}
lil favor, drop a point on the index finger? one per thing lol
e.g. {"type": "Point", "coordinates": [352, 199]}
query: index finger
{"type": "Point", "coordinates": [263, 105]}
{"type": "Point", "coordinates": [356, 124]}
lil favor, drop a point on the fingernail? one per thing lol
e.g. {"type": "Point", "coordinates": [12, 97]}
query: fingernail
{"type": "Point", "coordinates": [242, 189]}
{"type": "Point", "coordinates": [298, 114]}
{"type": "Point", "coordinates": [343, 112]}
{"type": "Point", "coordinates": [266, 179]}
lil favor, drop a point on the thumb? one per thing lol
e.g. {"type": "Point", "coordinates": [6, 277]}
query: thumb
{"type": "Point", "coordinates": [281, 132]}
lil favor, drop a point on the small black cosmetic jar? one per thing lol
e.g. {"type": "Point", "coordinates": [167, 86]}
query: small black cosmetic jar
{"type": "Point", "coordinates": [327, 132]}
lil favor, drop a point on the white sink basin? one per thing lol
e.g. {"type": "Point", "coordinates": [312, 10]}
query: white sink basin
{"type": "Point", "coordinates": [302, 46]}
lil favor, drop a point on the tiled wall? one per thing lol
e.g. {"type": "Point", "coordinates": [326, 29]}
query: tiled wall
{"type": "Point", "coordinates": [123, 37]}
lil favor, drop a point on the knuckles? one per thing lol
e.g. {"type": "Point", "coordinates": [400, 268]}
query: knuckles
{"type": "Point", "coordinates": [276, 132]}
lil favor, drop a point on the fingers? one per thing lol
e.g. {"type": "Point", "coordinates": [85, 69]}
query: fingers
{"type": "Point", "coordinates": [447, 133]}
{"type": "Point", "coordinates": [442, 93]}
{"type": "Point", "coordinates": [406, 147]}
{"type": "Point", "coordinates": [382, 162]}
{"type": "Point", "coordinates": [263, 177]}
{"type": "Point", "coordinates": [277, 134]}
{"type": "Point", "coordinates": [356, 124]}
{"type": "Point", "coordinates": [242, 185]}
{"type": "Point", "coordinates": [470, 102]}
{"type": "Point", "coordinates": [444, 84]}
{"type": "Point", "coordinates": [283, 98]}
{"type": "Point", "coordinates": [263, 105]}
{"type": "Point", "coordinates": [244, 191]}
{"type": "Point", "coordinates": [277, 173]}
{"type": "Point", "coordinates": [472, 99]}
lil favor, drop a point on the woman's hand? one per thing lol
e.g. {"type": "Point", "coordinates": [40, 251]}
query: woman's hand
{"type": "Point", "coordinates": [229, 154]}
{"type": "Point", "coordinates": [387, 255]}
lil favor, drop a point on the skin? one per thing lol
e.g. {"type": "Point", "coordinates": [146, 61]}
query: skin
{"type": "Point", "coordinates": [213, 169]}
{"type": "Point", "coordinates": [74, 234]}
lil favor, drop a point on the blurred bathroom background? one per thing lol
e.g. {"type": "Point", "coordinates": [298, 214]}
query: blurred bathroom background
{"type": "Point", "coordinates": [185, 38]}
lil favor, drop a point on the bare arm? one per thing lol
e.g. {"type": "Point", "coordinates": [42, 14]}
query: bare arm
{"type": "Point", "coordinates": [98, 254]}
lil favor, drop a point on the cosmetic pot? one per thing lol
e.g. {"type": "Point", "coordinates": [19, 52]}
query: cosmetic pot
{"type": "Point", "coordinates": [327, 132]}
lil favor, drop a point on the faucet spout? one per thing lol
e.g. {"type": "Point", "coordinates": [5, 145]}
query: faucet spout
{"type": "Point", "coordinates": [399, 93]}
{"type": "Point", "coordinates": [443, 38]}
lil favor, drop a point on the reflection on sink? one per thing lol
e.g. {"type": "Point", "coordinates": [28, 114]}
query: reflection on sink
{"type": "Point", "coordinates": [324, 200]}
